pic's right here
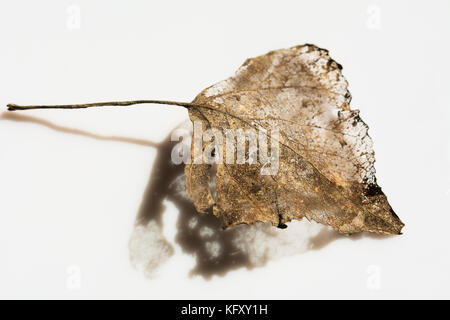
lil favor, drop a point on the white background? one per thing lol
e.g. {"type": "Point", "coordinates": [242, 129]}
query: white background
{"type": "Point", "coordinates": [69, 200]}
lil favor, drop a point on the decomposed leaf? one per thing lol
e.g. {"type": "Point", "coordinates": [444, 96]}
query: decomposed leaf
{"type": "Point", "coordinates": [326, 162]}
{"type": "Point", "coordinates": [321, 162]}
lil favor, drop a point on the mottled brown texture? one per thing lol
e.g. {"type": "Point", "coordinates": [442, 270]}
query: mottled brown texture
{"type": "Point", "coordinates": [326, 168]}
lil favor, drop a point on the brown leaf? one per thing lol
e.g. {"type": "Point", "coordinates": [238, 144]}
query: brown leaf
{"type": "Point", "coordinates": [322, 154]}
{"type": "Point", "coordinates": [326, 162]}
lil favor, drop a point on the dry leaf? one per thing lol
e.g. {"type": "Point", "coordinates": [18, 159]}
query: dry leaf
{"type": "Point", "coordinates": [326, 162]}
{"type": "Point", "coordinates": [326, 168]}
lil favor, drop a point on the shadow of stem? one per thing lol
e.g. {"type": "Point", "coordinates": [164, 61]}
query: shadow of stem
{"type": "Point", "coordinates": [14, 116]}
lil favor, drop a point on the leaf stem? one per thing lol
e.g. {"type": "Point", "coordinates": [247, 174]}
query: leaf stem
{"type": "Point", "coordinates": [13, 107]}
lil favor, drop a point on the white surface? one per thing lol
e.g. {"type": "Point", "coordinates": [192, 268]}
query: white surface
{"type": "Point", "coordinates": [68, 202]}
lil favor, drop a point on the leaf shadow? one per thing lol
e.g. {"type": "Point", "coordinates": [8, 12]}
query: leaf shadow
{"type": "Point", "coordinates": [216, 251]}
